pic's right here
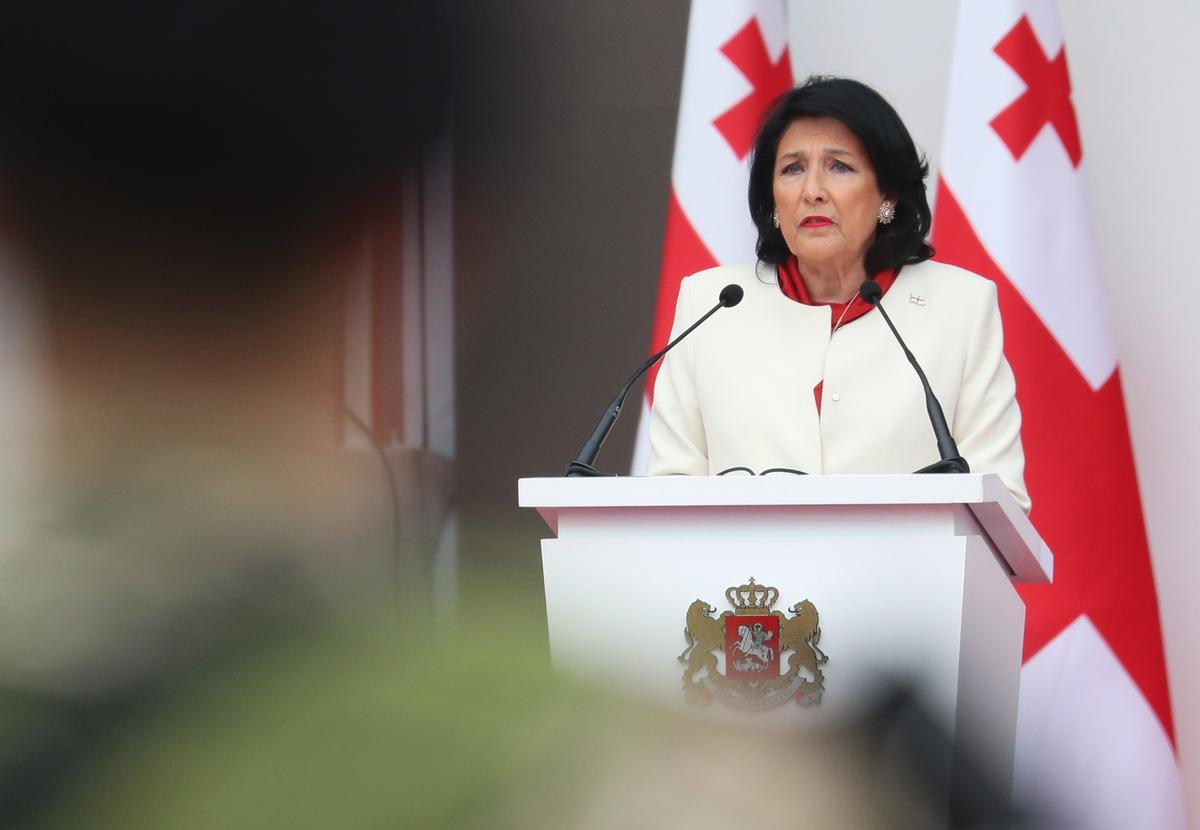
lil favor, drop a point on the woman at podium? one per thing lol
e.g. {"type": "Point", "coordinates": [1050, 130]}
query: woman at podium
{"type": "Point", "coordinates": [805, 374]}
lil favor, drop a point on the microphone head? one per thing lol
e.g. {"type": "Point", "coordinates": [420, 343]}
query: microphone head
{"type": "Point", "coordinates": [870, 291]}
{"type": "Point", "coordinates": [731, 295]}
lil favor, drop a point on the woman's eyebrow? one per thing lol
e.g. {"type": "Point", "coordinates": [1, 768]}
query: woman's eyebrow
{"type": "Point", "coordinates": [828, 151]}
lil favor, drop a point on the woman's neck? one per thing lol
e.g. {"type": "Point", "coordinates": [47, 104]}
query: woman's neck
{"type": "Point", "coordinates": [832, 283]}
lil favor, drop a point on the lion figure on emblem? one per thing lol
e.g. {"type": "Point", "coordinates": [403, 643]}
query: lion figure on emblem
{"type": "Point", "coordinates": [703, 634]}
{"type": "Point", "coordinates": [802, 633]}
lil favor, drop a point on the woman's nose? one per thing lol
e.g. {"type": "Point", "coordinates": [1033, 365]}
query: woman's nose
{"type": "Point", "coordinates": [814, 187]}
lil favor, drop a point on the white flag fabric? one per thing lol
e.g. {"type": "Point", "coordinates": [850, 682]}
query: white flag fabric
{"type": "Point", "coordinates": [1095, 736]}
{"type": "Point", "coordinates": [736, 63]}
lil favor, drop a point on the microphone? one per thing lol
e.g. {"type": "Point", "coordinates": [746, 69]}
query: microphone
{"type": "Point", "coordinates": [581, 464]}
{"type": "Point", "coordinates": [951, 461]}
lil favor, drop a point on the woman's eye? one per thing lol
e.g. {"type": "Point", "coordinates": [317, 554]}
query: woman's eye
{"type": "Point", "coordinates": [791, 168]}
{"type": "Point", "coordinates": [841, 166]}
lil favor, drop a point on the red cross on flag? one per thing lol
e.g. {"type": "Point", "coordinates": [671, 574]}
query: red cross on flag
{"type": "Point", "coordinates": [735, 64]}
{"type": "Point", "coordinates": [1095, 735]}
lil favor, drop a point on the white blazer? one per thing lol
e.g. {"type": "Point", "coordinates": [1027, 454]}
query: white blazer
{"type": "Point", "coordinates": [738, 392]}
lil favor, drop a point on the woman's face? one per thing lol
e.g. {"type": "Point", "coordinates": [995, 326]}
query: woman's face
{"type": "Point", "coordinates": [825, 194]}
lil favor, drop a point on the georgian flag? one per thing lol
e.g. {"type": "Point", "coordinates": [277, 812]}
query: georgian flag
{"type": "Point", "coordinates": [735, 65]}
{"type": "Point", "coordinates": [1095, 735]}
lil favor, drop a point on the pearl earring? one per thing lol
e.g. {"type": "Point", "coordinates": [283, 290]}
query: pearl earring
{"type": "Point", "coordinates": [887, 212]}
{"type": "Point", "coordinates": [775, 218]}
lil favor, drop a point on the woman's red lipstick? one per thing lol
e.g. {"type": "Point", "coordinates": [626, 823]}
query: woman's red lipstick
{"type": "Point", "coordinates": [816, 222]}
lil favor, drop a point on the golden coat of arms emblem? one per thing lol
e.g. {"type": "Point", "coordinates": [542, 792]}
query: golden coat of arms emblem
{"type": "Point", "coordinates": [753, 640]}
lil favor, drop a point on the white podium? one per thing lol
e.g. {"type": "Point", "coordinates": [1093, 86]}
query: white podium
{"type": "Point", "coordinates": [911, 578]}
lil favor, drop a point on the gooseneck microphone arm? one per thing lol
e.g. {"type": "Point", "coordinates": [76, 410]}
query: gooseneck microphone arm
{"type": "Point", "coordinates": [581, 464]}
{"type": "Point", "coordinates": [951, 461]}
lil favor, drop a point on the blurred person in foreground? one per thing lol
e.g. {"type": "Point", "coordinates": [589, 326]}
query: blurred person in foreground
{"type": "Point", "coordinates": [190, 630]}
{"type": "Point", "coordinates": [805, 374]}
{"type": "Point", "coordinates": [186, 188]}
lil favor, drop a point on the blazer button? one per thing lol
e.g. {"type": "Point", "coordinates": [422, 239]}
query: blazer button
{"type": "Point", "coordinates": [835, 397]}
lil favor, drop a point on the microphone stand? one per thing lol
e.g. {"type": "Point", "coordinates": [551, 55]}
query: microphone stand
{"type": "Point", "coordinates": [951, 461]}
{"type": "Point", "coordinates": [581, 464]}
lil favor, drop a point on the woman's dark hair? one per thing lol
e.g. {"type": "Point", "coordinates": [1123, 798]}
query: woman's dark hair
{"type": "Point", "coordinates": [899, 170]}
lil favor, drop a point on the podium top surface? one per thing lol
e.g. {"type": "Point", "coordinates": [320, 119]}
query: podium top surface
{"type": "Point", "coordinates": [1004, 523]}
{"type": "Point", "coordinates": [775, 489]}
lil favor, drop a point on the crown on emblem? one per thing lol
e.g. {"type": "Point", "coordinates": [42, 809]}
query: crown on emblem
{"type": "Point", "coordinates": [752, 598]}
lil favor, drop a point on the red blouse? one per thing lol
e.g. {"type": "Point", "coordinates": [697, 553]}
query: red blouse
{"type": "Point", "coordinates": [794, 288]}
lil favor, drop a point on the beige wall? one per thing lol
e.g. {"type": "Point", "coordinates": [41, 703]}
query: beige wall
{"type": "Point", "coordinates": [1134, 77]}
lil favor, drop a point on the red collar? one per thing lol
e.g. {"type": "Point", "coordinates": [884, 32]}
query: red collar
{"type": "Point", "coordinates": [793, 287]}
